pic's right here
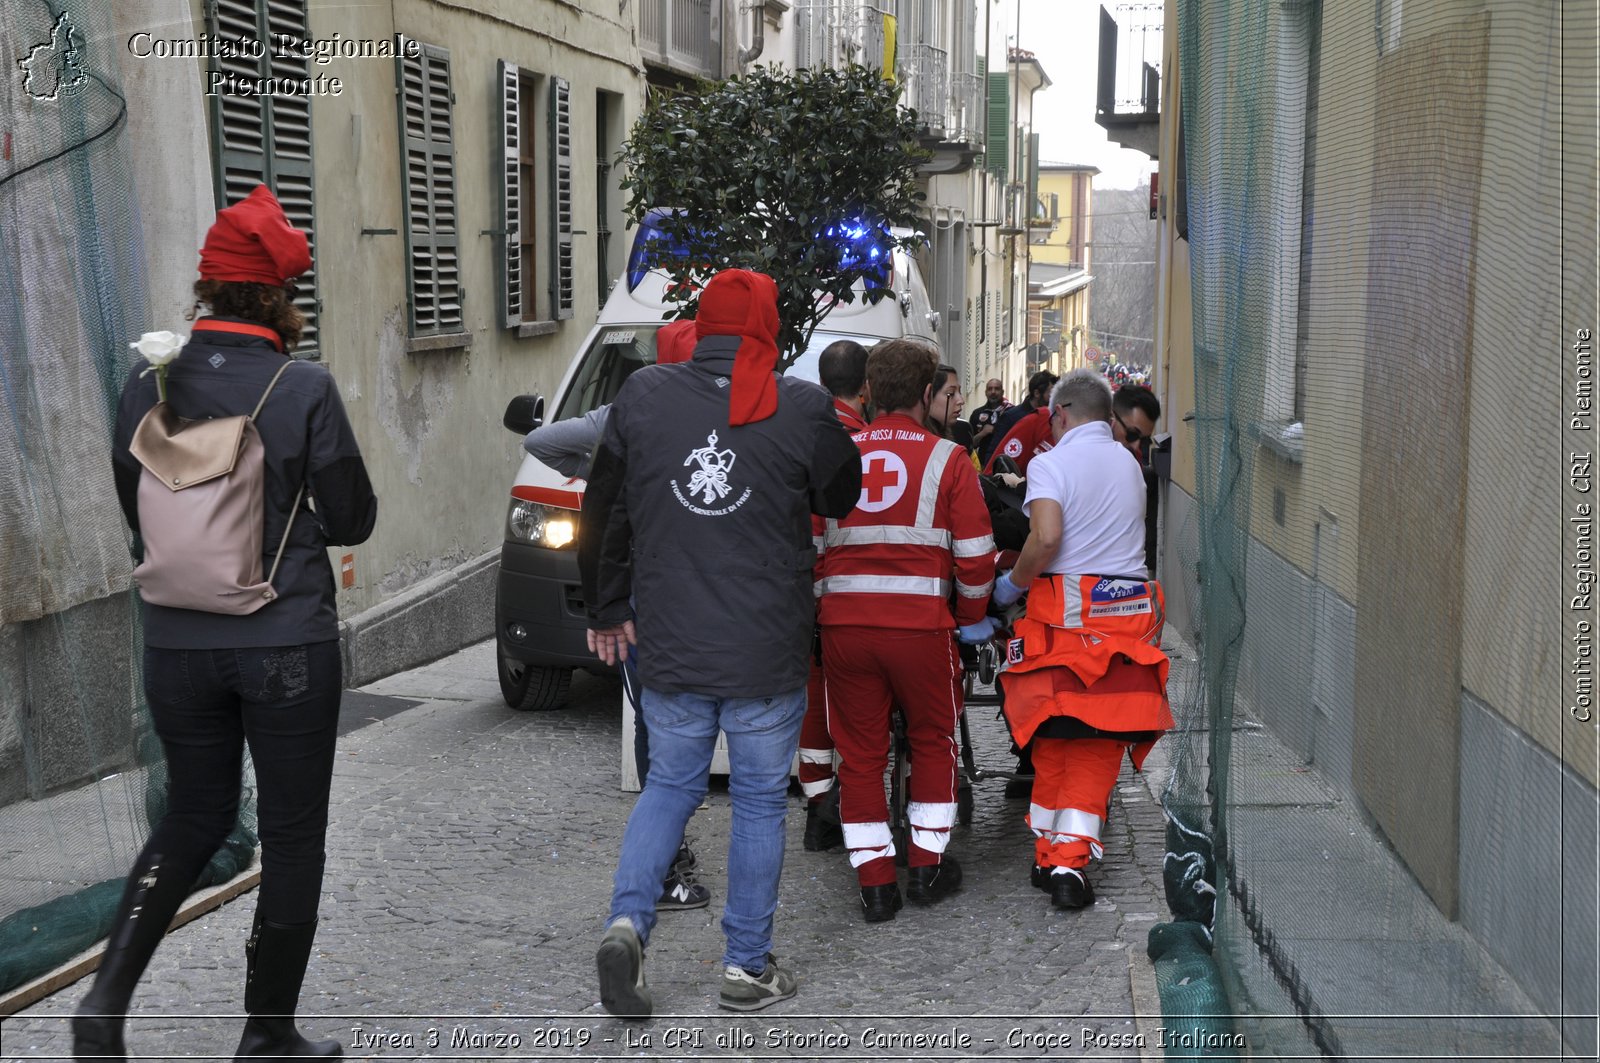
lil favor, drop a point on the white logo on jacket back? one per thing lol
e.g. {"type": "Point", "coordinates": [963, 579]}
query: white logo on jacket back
{"type": "Point", "coordinates": [883, 480]}
{"type": "Point", "coordinates": [710, 480]}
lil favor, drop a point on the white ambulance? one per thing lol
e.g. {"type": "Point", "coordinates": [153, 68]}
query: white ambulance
{"type": "Point", "coordinates": [540, 622]}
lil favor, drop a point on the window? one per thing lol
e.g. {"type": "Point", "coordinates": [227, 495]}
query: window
{"type": "Point", "coordinates": [525, 304]}
{"type": "Point", "coordinates": [427, 134]}
{"type": "Point", "coordinates": [267, 139]}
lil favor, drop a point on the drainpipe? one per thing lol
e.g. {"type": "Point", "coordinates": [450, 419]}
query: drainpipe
{"type": "Point", "coordinates": [758, 34]}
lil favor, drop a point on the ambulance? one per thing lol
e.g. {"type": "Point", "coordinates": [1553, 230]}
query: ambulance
{"type": "Point", "coordinates": [540, 622]}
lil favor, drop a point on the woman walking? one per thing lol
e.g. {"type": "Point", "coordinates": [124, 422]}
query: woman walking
{"type": "Point", "coordinates": [267, 674]}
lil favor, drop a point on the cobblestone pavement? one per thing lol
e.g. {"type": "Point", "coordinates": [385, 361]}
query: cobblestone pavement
{"type": "Point", "coordinates": [469, 870]}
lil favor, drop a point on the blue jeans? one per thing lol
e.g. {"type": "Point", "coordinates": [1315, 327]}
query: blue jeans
{"type": "Point", "coordinates": [763, 734]}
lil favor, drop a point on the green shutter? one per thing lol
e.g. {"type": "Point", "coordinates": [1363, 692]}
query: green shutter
{"type": "Point", "coordinates": [427, 133]}
{"type": "Point", "coordinates": [267, 139]}
{"type": "Point", "coordinates": [561, 272]}
{"type": "Point", "coordinates": [508, 163]}
{"type": "Point", "coordinates": [999, 123]}
{"type": "Point", "coordinates": [1032, 205]}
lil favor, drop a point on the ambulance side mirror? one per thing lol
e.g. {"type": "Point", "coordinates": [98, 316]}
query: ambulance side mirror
{"type": "Point", "coordinates": [524, 413]}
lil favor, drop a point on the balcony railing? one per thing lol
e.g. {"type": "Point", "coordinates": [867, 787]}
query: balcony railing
{"type": "Point", "coordinates": [835, 33]}
{"type": "Point", "coordinates": [927, 86]}
{"type": "Point", "coordinates": [678, 34]}
{"type": "Point", "coordinates": [1130, 60]}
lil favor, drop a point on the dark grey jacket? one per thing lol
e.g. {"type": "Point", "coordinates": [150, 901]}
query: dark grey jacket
{"type": "Point", "coordinates": [307, 439]}
{"type": "Point", "coordinates": [717, 521]}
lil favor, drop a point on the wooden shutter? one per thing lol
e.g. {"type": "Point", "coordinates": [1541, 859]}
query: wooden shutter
{"type": "Point", "coordinates": [267, 139]}
{"type": "Point", "coordinates": [508, 163]}
{"type": "Point", "coordinates": [427, 133]}
{"type": "Point", "coordinates": [561, 273]}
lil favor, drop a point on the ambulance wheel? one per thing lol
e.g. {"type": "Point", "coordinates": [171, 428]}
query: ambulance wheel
{"type": "Point", "coordinates": [532, 687]}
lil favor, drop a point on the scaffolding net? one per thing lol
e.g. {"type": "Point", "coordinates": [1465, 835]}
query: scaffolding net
{"type": "Point", "coordinates": [1382, 800]}
{"type": "Point", "coordinates": [81, 772]}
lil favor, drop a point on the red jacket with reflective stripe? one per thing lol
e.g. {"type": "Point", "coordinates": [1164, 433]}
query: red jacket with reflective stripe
{"type": "Point", "coordinates": [1027, 439]}
{"type": "Point", "coordinates": [918, 540]}
{"type": "Point", "coordinates": [852, 423]}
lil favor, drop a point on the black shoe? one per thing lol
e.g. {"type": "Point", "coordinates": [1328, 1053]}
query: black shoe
{"type": "Point", "coordinates": [1069, 888]}
{"type": "Point", "coordinates": [679, 891]}
{"type": "Point", "coordinates": [98, 1037]}
{"type": "Point", "coordinates": [1017, 789]}
{"type": "Point", "coordinates": [685, 861]}
{"type": "Point", "coordinates": [881, 902]}
{"type": "Point", "coordinates": [1040, 878]}
{"type": "Point", "coordinates": [935, 882]}
{"type": "Point", "coordinates": [275, 966]}
{"type": "Point", "coordinates": [820, 834]}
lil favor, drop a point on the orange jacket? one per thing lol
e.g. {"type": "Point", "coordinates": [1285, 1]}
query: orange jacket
{"type": "Point", "coordinates": [921, 520]}
{"type": "Point", "coordinates": [1089, 648]}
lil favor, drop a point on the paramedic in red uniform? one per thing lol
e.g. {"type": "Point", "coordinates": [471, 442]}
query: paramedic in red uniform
{"type": "Point", "coordinates": [889, 619]}
{"type": "Point", "coordinates": [1085, 677]}
{"type": "Point", "coordinates": [842, 368]}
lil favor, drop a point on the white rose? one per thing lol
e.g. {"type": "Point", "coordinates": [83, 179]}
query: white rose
{"type": "Point", "coordinates": [159, 348]}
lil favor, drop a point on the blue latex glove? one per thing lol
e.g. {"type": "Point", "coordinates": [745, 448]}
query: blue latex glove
{"type": "Point", "coordinates": [982, 631]}
{"type": "Point", "coordinates": [1005, 592]}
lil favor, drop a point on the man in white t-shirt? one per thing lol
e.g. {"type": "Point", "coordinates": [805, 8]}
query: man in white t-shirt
{"type": "Point", "coordinates": [1085, 678]}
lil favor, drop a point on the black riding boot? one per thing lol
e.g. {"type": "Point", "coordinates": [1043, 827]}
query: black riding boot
{"type": "Point", "coordinates": [275, 959]}
{"type": "Point", "coordinates": [155, 890]}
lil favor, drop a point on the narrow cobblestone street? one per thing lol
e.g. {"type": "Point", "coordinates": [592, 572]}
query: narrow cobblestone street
{"type": "Point", "coordinates": [469, 868]}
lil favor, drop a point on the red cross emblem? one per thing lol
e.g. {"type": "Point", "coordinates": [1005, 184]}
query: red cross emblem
{"type": "Point", "coordinates": [883, 480]}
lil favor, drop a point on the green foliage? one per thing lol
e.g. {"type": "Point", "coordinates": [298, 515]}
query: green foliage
{"type": "Point", "coordinates": [755, 167]}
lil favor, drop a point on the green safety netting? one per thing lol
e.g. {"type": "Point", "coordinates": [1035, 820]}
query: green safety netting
{"type": "Point", "coordinates": [81, 772]}
{"type": "Point", "coordinates": [1382, 814]}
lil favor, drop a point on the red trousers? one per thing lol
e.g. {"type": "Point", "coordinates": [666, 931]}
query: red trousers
{"type": "Point", "coordinates": [868, 672]}
{"type": "Point", "coordinates": [816, 744]}
{"type": "Point", "coordinates": [1072, 781]}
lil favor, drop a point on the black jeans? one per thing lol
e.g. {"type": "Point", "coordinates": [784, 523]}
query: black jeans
{"type": "Point", "coordinates": [283, 701]}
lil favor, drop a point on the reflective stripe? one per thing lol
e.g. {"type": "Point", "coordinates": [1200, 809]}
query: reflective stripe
{"type": "Point", "coordinates": [935, 588]}
{"type": "Point", "coordinates": [932, 473]}
{"type": "Point", "coordinates": [1078, 823]}
{"type": "Point", "coordinates": [895, 534]}
{"type": "Point", "coordinates": [982, 546]}
{"type": "Point", "coordinates": [816, 756]}
{"type": "Point", "coordinates": [867, 841]}
{"type": "Point", "coordinates": [969, 590]}
{"type": "Point", "coordinates": [817, 787]}
{"type": "Point", "coordinates": [931, 823]}
{"type": "Point", "coordinates": [1041, 820]}
{"type": "Point", "coordinates": [820, 543]}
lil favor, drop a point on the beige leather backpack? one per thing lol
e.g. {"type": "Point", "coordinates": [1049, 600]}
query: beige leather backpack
{"type": "Point", "coordinates": [201, 511]}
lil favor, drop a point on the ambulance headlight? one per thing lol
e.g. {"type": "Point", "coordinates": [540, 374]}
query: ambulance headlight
{"type": "Point", "coordinates": [539, 525]}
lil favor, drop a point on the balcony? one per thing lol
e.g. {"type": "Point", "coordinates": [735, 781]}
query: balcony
{"type": "Point", "coordinates": [837, 33]}
{"type": "Point", "coordinates": [682, 36]}
{"type": "Point", "coordinates": [1128, 99]}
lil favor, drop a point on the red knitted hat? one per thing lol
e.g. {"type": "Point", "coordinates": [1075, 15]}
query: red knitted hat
{"type": "Point", "coordinates": [253, 241]}
{"type": "Point", "coordinates": [737, 302]}
{"type": "Point", "coordinates": [675, 342]}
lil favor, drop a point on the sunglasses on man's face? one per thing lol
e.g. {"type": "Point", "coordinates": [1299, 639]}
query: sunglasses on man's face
{"type": "Point", "coordinates": [1132, 435]}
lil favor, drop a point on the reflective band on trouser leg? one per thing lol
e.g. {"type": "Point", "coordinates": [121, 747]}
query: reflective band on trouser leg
{"type": "Point", "coordinates": [816, 771]}
{"type": "Point", "coordinates": [867, 841]}
{"type": "Point", "coordinates": [930, 824]}
{"type": "Point", "coordinates": [1075, 825]}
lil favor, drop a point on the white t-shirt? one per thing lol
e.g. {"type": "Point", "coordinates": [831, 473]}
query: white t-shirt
{"type": "Point", "coordinates": [1100, 489]}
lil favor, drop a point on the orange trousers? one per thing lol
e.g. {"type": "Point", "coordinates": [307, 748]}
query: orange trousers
{"type": "Point", "coordinates": [1072, 781]}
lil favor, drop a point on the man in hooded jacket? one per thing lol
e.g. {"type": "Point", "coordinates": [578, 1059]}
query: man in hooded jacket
{"type": "Point", "coordinates": [719, 466]}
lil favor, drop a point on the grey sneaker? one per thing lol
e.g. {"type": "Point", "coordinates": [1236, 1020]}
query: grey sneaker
{"type": "Point", "coordinates": [743, 991]}
{"type": "Point", "coordinates": [621, 965]}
